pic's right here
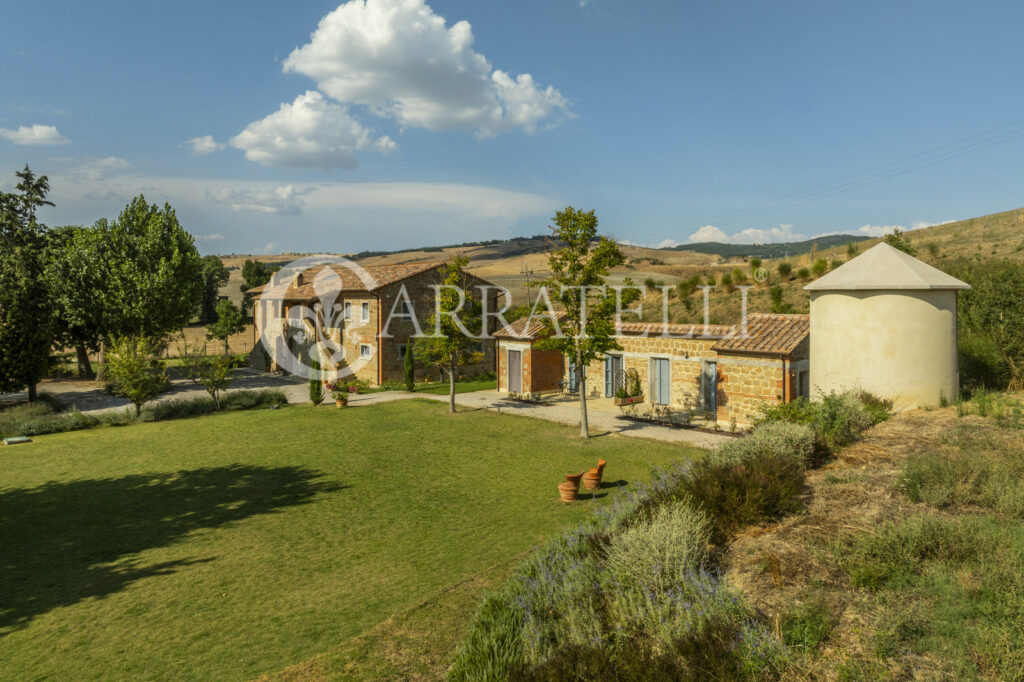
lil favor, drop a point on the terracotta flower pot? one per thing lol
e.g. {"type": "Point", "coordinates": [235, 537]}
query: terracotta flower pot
{"type": "Point", "coordinates": [341, 403]}
{"type": "Point", "coordinates": [592, 480]}
{"type": "Point", "coordinates": [567, 491]}
{"type": "Point", "coordinates": [574, 479]}
{"type": "Point", "coordinates": [600, 469]}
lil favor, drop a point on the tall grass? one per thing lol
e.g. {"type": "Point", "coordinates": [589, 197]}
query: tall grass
{"type": "Point", "coordinates": [971, 471]}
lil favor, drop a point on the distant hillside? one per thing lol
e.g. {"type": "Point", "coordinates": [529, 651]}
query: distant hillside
{"type": "Point", "coordinates": [780, 250]}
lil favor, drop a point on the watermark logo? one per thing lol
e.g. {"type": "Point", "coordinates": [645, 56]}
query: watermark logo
{"type": "Point", "coordinates": [305, 324]}
{"type": "Point", "coordinates": [312, 327]}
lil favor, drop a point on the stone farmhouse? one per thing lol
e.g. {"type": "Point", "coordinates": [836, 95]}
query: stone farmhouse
{"type": "Point", "coordinates": [364, 312]}
{"type": "Point", "coordinates": [724, 371]}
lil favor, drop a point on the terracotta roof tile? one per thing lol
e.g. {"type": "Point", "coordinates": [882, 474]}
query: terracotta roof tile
{"type": "Point", "coordinates": [689, 331]}
{"type": "Point", "coordinates": [321, 279]}
{"type": "Point", "coordinates": [521, 330]}
{"type": "Point", "coordinates": [767, 334]}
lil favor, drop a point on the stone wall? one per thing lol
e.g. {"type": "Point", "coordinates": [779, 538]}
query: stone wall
{"type": "Point", "coordinates": [396, 329]}
{"type": "Point", "coordinates": [744, 382]}
{"type": "Point", "coordinates": [542, 369]}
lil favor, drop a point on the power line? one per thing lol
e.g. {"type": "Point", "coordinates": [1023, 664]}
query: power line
{"type": "Point", "coordinates": [954, 149]}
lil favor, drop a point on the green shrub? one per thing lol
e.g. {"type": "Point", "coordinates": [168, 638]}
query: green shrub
{"type": "Point", "coordinates": [736, 494]}
{"type": "Point", "coordinates": [837, 419]}
{"type": "Point", "coordinates": [182, 408]}
{"type": "Point", "coordinates": [247, 400]}
{"type": "Point", "coordinates": [808, 626]}
{"type": "Point", "coordinates": [781, 439]}
{"type": "Point", "coordinates": [177, 408]}
{"type": "Point", "coordinates": [316, 392]}
{"type": "Point", "coordinates": [895, 553]}
{"type": "Point", "coordinates": [583, 607]}
{"type": "Point", "coordinates": [970, 474]}
{"type": "Point", "coordinates": [878, 409]}
{"type": "Point", "coordinates": [654, 553]}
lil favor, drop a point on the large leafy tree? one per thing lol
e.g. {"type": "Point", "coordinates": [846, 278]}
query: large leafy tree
{"type": "Point", "coordinates": [579, 261]}
{"type": "Point", "coordinates": [214, 276]}
{"type": "Point", "coordinates": [25, 310]}
{"type": "Point", "coordinates": [76, 275]}
{"type": "Point", "coordinates": [256, 273]}
{"type": "Point", "coordinates": [456, 325]}
{"type": "Point", "coordinates": [154, 281]}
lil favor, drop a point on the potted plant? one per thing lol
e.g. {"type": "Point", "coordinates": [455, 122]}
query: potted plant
{"type": "Point", "coordinates": [623, 397]}
{"type": "Point", "coordinates": [340, 395]}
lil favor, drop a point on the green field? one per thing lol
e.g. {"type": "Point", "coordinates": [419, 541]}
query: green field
{"type": "Point", "coordinates": [239, 544]}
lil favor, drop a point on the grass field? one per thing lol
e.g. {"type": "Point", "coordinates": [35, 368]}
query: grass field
{"type": "Point", "coordinates": [235, 545]}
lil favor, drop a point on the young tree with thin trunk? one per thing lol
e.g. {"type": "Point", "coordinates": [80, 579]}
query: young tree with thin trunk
{"type": "Point", "coordinates": [579, 261]}
{"type": "Point", "coordinates": [229, 322]}
{"type": "Point", "coordinates": [456, 326]}
{"type": "Point", "coordinates": [213, 373]}
{"type": "Point", "coordinates": [134, 369]}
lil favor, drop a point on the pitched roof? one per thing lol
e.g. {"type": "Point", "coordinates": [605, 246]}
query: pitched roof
{"type": "Point", "coordinates": [524, 328]}
{"type": "Point", "coordinates": [321, 279]}
{"type": "Point", "coordinates": [521, 330]}
{"type": "Point", "coordinates": [767, 334]}
{"type": "Point", "coordinates": [885, 267]}
{"type": "Point", "coordinates": [689, 331]}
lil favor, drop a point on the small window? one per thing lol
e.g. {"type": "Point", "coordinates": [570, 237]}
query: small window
{"type": "Point", "coordinates": [348, 310]}
{"type": "Point", "coordinates": [366, 312]}
{"type": "Point", "coordinates": [405, 309]}
{"type": "Point", "coordinates": [403, 348]}
{"type": "Point", "coordinates": [364, 350]}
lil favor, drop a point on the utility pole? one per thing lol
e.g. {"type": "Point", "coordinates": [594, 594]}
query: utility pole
{"type": "Point", "coordinates": [527, 272]}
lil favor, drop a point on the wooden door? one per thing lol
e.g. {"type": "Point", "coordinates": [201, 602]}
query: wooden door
{"type": "Point", "coordinates": [515, 371]}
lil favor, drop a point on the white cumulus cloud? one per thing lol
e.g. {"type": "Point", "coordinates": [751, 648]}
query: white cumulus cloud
{"type": "Point", "coordinates": [398, 58]}
{"type": "Point", "coordinates": [877, 230]}
{"type": "Point", "coordinates": [281, 200]}
{"type": "Point", "coordinates": [709, 233]}
{"type": "Point", "coordinates": [311, 132]}
{"type": "Point", "coordinates": [204, 145]}
{"type": "Point", "coordinates": [33, 135]}
{"type": "Point", "coordinates": [782, 233]}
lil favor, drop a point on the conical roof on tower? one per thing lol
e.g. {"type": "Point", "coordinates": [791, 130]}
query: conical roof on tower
{"type": "Point", "coordinates": [883, 267]}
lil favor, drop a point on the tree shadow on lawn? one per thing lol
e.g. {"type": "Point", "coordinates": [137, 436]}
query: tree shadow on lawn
{"type": "Point", "coordinates": [64, 542]}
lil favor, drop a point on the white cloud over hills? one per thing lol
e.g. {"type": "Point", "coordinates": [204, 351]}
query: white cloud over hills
{"type": "Point", "coordinates": [312, 216]}
{"type": "Point", "coordinates": [782, 233]}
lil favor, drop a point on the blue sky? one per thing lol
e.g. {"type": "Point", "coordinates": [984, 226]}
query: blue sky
{"type": "Point", "coordinates": [409, 123]}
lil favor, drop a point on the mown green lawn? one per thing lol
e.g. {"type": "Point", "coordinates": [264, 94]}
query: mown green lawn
{"type": "Point", "coordinates": [228, 546]}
